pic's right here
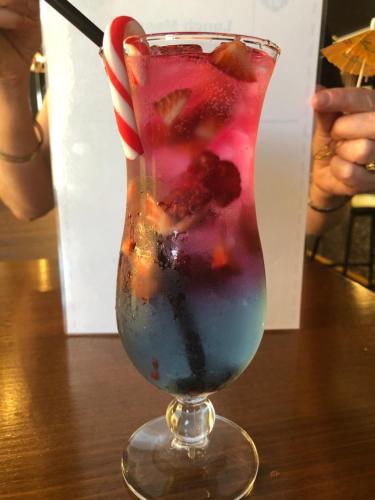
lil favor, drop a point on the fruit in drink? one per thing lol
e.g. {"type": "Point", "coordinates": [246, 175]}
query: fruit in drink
{"type": "Point", "coordinates": [191, 287]}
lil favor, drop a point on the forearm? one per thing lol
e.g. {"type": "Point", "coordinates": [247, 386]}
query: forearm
{"type": "Point", "coordinates": [320, 222]}
{"type": "Point", "coordinates": [26, 188]}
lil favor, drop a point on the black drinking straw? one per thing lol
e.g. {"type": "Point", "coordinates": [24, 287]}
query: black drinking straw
{"type": "Point", "coordinates": [81, 22]}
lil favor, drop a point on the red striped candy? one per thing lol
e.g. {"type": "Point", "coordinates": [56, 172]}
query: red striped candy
{"type": "Point", "coordinates": [113, 53]}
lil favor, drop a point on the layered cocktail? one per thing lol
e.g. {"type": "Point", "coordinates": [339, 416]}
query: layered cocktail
{"type": "Point", "coordinates": [191, 285]}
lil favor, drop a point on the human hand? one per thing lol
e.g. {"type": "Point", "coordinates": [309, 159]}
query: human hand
{"type": "Point", "coordinates": [345, 122]}
{"type": "Point", "coordinates": [20, 38]}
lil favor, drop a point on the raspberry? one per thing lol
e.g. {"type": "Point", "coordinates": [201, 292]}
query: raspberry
{"type": "Point", "coordinates": [206, 179]}
{"type": "Point", "coordinates": [187, 199]}
{"type": "Point", "coordinates": [221, 178]}
{"type": "Point", "coordinates": [203, 168]}
{"type": "Point", "coordinates": [225, 185]}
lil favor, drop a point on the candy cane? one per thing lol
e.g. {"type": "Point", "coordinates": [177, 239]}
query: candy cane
{"type": "Point", "coordinates": [135, 47]}
{"type": "Point", "coordinates": [113, 54]}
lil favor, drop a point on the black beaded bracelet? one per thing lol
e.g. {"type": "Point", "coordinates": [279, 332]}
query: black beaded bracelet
{"type": "Point", "coordinates": [325, 210]}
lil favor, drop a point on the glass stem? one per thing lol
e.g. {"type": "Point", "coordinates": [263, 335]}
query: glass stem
{"type": "Point", "coordinates": [191, 421]}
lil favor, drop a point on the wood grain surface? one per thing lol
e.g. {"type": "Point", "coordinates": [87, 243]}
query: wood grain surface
{"type": "Point", "coordinates": [27, 240]}
{"type": "Point", "coordinates": [67, 405]}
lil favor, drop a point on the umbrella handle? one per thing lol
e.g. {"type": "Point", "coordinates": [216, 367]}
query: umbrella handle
{"type": "Point", "coordinates": [360, 76]}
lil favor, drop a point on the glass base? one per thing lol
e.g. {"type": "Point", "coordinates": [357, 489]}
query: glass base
{"type": "Point", "coordinates": [225, 468]}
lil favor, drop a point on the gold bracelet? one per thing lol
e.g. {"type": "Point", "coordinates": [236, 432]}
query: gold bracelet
{"type": "Point", "coordinates": [26, 158]}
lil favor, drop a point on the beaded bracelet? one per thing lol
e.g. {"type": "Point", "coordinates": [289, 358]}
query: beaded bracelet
{"type": "Point", "coordinates": [26, 158]}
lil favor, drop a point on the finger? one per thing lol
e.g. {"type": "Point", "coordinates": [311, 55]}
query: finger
{"type": "Point", "coordinates": [360, 151]}
{"type": "Point", "coordinates": [354, 178]}
{"type": "Point", "coordinates": [357, 126]}
{"type": "Point", "coordinates": [322, 144]}
{"type": "Point", "coordinates": [328, 183]}
{"type": "Point", "coordinates": [18, 6]}
{"type": "Point", "coordinates": [344, 100]}
{"type": "Point", "coordinates": [323, 125]}
{"type": "Point", "coordinates": [32, 8]}
{"type": "Point", "coordinates": [10, 20]}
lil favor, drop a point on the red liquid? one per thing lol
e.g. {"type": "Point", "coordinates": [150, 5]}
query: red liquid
{"type": "Point", "coordinates": [221, 114]}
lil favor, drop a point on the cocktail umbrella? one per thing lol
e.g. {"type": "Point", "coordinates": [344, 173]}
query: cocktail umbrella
{"type": "Point", "coordinates": [354, 54]}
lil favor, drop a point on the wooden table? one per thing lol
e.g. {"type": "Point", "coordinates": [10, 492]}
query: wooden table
{"type": "Point", "coordinates": [69, 404]}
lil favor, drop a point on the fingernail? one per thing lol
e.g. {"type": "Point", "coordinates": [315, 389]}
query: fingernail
{"type": "Point", "coordinates": [321, 99]}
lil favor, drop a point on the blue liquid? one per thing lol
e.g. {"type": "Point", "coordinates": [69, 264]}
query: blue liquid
{"type": "Point", "coordinates": [192, 341]}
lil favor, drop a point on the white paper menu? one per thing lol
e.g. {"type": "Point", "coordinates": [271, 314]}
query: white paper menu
{"type": "Point", "coordinates": [88, 164]}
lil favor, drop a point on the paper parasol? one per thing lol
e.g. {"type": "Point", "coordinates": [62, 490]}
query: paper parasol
{"type": "Point", "coordinates": [354, 54]}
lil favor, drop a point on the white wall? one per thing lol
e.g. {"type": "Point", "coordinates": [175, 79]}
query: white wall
{"type": "Point", "coordinates": [88, 163]}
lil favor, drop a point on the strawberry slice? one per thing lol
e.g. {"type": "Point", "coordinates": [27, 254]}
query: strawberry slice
{"type": "Point", "coordinates": [234, 59]}
{"type": "Point", "coordinates": [128, 246]}
{"type": "Point", "coordinates": [201, 123]}
{"type": "Point", "coordinates": [170, 106]}
{"type": "Point", "coordinates": [220, 257]}
{"type": "Point", "coordinates": [208, 127]}
{"type": "Point", "coordinates": [145, 280]}
{"type": "Point", "coordinates": [157, 216]}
